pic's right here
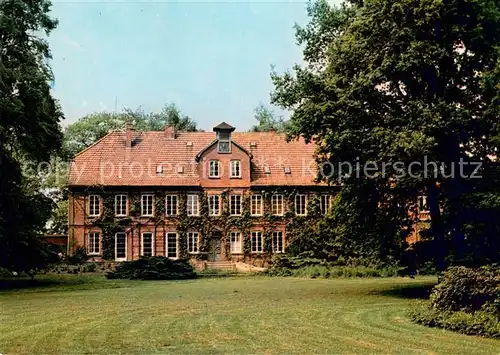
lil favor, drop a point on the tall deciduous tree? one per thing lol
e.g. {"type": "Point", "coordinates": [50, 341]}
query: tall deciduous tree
{"type": "Point", "coordinates": [29, 129]}
{"type": "Point", "coordinates": [268, 120]}
{"type": "Point", "coordinates": [392, 81]}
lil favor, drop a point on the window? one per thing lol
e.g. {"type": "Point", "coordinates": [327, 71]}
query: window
{"type": "Point", "coordinates": [120, 247]}
{"type": "Point", "coordinates": [213, 169]}
{"type": "Point", "coordinates": [300, 205]}
{"type": "Point", "coordinates": [224, 147]}
{"type": "Point", "coordinates": [94, 206]}
{"type": "Point", "coordinates": [93, 243]}
{"type": "Point", "coordinates": [277, 242]}
{"type": "Point", "coordinates": [235, 205]}
{"type": "Point", "coordinates": [277, 205]}
{"type": "Point", "coordinates": [256, 205]}
{"type": "Point", "coordinates": [256, 242]}
{"type": "Point", "coordinates": [324, 204]}
{"type": "Point", "coordinates": [235, 168]}
{"type": "Point", "coordinates": [192, 242]}
{"type": "Point", "coordinates": [120, 205]}
{"type": "Point", "coordinates": [235, 242]}
{"type": "Point", "coordinates": [422, 204]}
{"type": "Point", "coordinates": [171, 205]}
{"type": "Point", "coordinates": [192, 205]}
{"type": "Point", "coordinates": [147, 205]}
{"type": "Point", "coordinates": [214, 205]}
{"type": "Point", "coordinates": [172, 245]}
{"type": "Point", "coordinates": [147, 244]}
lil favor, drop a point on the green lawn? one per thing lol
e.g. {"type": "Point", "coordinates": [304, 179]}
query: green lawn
{"type": "Point", "coordinates": [90, 315]}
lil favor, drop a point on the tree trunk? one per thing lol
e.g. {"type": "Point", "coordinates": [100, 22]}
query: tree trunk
{"type": "Point", "coordinates": [437, 226]}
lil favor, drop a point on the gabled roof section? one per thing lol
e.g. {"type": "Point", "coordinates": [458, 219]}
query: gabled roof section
{"type": "Point", "coordinates": [200, 154]}
{"type": "Point", "coordinates": [223, 126]}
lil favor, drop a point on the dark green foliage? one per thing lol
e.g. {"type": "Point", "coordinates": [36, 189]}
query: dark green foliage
{"type": "Point", "coordinates": [153, 268]}
{"type": "Point", "coordinates": [465, 300]}
{"type": "Point", "coordinates": [468, 290]}
{"type": "Point", "coordinates": [78, 257]}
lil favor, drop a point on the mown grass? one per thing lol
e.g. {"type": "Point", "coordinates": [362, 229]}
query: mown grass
{"type": "Point", "coordinates": [91, 315]}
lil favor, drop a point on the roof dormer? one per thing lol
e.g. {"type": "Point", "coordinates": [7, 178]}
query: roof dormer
{"type": "Point", "coordinates": [223, 134]}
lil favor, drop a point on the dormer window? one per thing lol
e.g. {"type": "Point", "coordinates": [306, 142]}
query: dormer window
{"type": "Point", "coordinates": [223, 134]}
{"type": "Point", "coordinates": [224, 147]}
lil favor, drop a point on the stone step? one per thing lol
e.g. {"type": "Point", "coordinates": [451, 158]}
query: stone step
{"type": "Point", "coordinates": [221, 264]}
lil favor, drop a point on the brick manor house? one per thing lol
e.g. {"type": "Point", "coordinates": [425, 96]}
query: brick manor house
{"type": "Point", "coordinates": [219, 195]}
{"type": "Point", "coordinates": [208, 196]}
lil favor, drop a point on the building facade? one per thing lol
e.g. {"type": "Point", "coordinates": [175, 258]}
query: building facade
{"type": "Point", "coordinates": [219, 195]}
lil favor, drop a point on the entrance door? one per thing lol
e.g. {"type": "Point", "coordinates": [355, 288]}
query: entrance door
{"type": "Point", "coordinates": [214, 253]}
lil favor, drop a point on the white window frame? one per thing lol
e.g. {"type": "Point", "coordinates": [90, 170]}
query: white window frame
{"type": "Point", "coordinates": [90, 236]}
{"type": "Point", "coordinates": [214, 168]}
{"type": "Point", "coordinates": [152, 205]}
{"type": "Point", "coordinates": [195, 202]}
{"type": "Point", "coordinates": [425, 203]}
{"type": "Point", "coordinates": [231, 204]}
{"type": "Point", "coordinates": [125, 236]}
{"type": "Point", "coordinates": [233, 165]}
{"type": "Point", "coordinates": [93, 199]}
{"type": "Point", "coordinates": [191, 235]}
{"type": "Point", "coordinates": [275, 236]}
{"type": "Point", "coordinates": [118, 210]}
{"type": "Point", "coordinates": [236, 246]}
{"type": "Point", "coordinates": [152, 243]}
{"type": "Point", "coordinates": [256, 245]}
{"type": "Point", "coordinates": [176, 245]}
{"type": "Point", "coordinates": [228, 144]}
{"type": "Point", "coordinates": [297, 202]}
{"type": "Point", "coordinates": [171, 205]}
{"type": "Point", "coordinates": [257, 202]}
{"type": "Point", "coordinates": [212, 204]}
{"type": "Point", "coordinates": [324, 200]}
{"type": "Point", "coordinates": [274, 202]}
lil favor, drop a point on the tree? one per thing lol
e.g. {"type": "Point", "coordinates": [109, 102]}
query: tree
{"type": "Point", "coordinates": [400, 82]}
{"type": "Point", "coordinates": [29, 130]}
{"type": "Point", "coordinates": [268, 121]}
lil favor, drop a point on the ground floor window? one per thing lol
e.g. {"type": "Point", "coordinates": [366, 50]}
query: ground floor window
{"type": "Point", "coordinates": [172, 246]}
{"type": "Point", "coordinates": [278, 242]}
{"type": "Point", "coordinates": [235, 242]}
{"type": "Point", "coordinates": [193, 242]}
{"type": "Point", "coordinates": [256, 242]}
{"type": "Point", "coordinates": [147, 244]}
{"type": "Point", "coordinates": [93, 243]}
{"type": "Point", "coordinates": [120, 247]}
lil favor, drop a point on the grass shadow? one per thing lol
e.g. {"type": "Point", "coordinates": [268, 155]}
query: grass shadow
{"type": "Point", "coordinates": [418, 291]}
{"type": "Point", "coordinates": [23, 283]}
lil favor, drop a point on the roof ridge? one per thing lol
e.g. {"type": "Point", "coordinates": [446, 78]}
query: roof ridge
{"type": "Point", "coordinates": [97, 142]}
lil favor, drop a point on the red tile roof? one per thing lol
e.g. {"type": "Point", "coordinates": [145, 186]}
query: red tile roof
{"type": "Point", "coordinates": [110, 163]}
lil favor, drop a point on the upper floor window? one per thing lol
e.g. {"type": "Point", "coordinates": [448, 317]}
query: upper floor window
{"type": "Point", "coordinates": [120, 205]}
{"type": "Point", "coordinates": [224, 147]}
{"type": "Point", "coordinates": [193, 242]}
{"type": "Point", "coordinates": [256, 205]}
{"type": "Point", "coordinates": [324, 204]}
{"type": "Point", "coordinates": [235, 242]}
{"type": "Point", "coordinates": [147, 244]}
{"type": "Point", "coordinates": [235, 205]}
{"type": "Point", "coordinates": [422, 204]}
{"type": "Point", "coordinates": [193, 207]}
{"type": "Point", "coordinates": [93, 243]}
{"type": "Point", "coordinates": [257, 242]}
{"type": "Point", "coordinates": [171, 205]}
{"type": "Point", "coordinates": [300, 205]}
{"type": "Point", "coordinates": [147, 205]}
{"type": "Point", "coordinates": [277, 242]}
{"type": "Point", "coordinates": [94, 206]}
{"type": "Point", "coordinates": [277, 205]}
{"type": "Point", "coordinates": [214, 169]}
{"type": "Point", "coordinates": [235, 168]}
{"type": "Point", "coordinates": [214, 205]}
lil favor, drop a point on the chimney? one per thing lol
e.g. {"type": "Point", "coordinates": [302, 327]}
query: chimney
{"type": "Point", "coordinates": [129, 132]}
{"type": "Point", "coordinates": [170, 132]}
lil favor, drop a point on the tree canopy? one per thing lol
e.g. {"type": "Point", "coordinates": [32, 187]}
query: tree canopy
{"type": "Point", "coordinates": [268, 120]}
{"type": "Point", "coordinates": [399, 82]}
{"type": "Point", "coordinates": [29, 129]}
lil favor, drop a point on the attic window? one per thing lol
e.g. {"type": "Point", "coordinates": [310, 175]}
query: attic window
{"type": "Point", "coordinates": [267, 170]}
{"type": "Point", "coordinates": [180, 169]}
{"type": "Point", "coordinates": [287, 170]}
{"type": "Point", "coordinates": [224, 147]}
{"type": "Point", "coordinates": [253, 144]}
{"type": "Point", "coordinates": [159, 170]}
{"type": "Point", "coordinates": [189, 144]}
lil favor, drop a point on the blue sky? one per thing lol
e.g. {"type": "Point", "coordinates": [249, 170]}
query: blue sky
{"type": "Point", "coordinates": [210, 58]}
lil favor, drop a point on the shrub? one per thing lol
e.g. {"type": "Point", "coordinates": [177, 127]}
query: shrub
{"type": "Point", "coordinates": [332, 271]}
{"type": "Point", "coordinates": [153, 268]}
{"type": "Point", "coordinates": [79, 257]}
{"type": "Point", "coordinates": [468, 290]}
